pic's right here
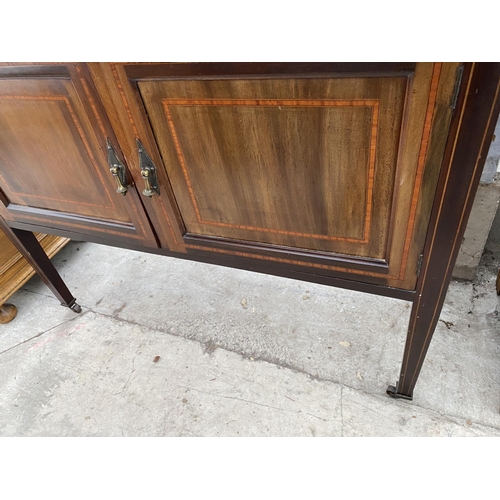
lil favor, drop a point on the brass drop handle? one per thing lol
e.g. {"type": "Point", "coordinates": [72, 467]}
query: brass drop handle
{"type": "Point", "coordinates": [117, 169]}
{"type": "Point", "coordinates": [148, 172]}
{"type": "Point", "coordinates": [120, 188]}
{"type": "Point", "coordinates": [148, 191]}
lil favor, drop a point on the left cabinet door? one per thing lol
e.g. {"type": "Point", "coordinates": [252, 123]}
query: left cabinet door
{"type": "Point", "coordinates": [54, 169]}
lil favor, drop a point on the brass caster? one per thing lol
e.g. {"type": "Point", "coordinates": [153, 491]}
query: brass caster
{"type": "Point", "coordinates": [76, 308]}
{"type": "Point", "coordinates": [73, 306]}
{"type": "Point", "coordinates": [393, 392]}
{"type": "Point", "coordinates": [7, 313]}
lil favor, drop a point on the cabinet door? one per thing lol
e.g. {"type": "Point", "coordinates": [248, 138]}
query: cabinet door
{"type": "Point", "coordinates": [329, 167]}
{"type": "Point", "coordinates": [53, 157]}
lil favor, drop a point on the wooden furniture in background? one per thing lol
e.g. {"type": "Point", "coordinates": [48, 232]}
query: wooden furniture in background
{"type": "Point", "coordinates": [358, 175]}
{"type": "Point", "coordinates": [15, 271]}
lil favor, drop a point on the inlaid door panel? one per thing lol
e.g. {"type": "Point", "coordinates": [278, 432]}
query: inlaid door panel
{"type": "Point", "coordinates": [293, 166]}
{"type": "Point", "coordinates": [334, 169]}
{"type": "Point", "coordinates": [53, 163]}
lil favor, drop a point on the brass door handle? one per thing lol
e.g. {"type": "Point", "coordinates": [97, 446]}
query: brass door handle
{"type": "Point", "coordinates": [148, 191]}
{"type": "Point", "coordinates": [148, 172]}
{"type": "Point", "coordinates": [117, 170]}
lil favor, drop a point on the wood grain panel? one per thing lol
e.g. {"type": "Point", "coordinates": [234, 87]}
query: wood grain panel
{"type": "Point", "coordinates": [414, 115]}
{"type": "Point", "coordinates": [236, 197]}
{"type": "Point", "coordinates": [53, 156]}
{"type": "Point", "coordinates": [293, 170]}
{"type": "Point", "coordinates": [57, 171]}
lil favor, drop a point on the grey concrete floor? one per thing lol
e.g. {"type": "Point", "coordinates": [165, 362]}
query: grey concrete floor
{"type": "Point", "coordinates": [240, 354]}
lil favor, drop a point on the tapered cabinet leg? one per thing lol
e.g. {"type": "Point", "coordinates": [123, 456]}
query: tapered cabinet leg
{"type": "Point", "coordinates": [29, 247]}
{"type": "Point", "coordinates": [467, 147]}
{"type": "Point", "coordinates": [423, 320]}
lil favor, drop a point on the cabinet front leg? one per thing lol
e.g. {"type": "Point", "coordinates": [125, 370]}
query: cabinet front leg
{"type": "Point", "coordinates": [423, 320]}
{"type": "Point", "coordinates": [29, 247]}
{"type": "Point", "coordinates": [467, 147]}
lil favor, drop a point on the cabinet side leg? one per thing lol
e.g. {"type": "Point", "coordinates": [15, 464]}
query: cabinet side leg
{"type": "Point", "coordinates": [29, 247]}
{"type": "Point", "coordinates": [423, 320]}
{"type": "Point", "coordinates": [466, 150]}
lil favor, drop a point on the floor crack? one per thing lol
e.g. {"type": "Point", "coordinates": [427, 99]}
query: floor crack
{"type": "Point", "coordinates": [42, 333]}
{"type": "Point", "coordinates": [342, 411]}
{"type": "Point", "coordinates": [235, 398]}
{"type": "Point", "coordinates": [47, 295]}
{"type": "Point", "coordinates": [129, 378]}
{"type": "Point", "coordinates": [249, 401]}
{"type": "Point", "coordinates": [276, 362]}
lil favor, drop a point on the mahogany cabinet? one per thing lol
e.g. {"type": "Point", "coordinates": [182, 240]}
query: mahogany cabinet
{"type": "Point", "coordinates": [359, 175]}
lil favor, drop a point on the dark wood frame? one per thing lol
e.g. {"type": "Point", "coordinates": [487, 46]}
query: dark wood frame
{"type": "Point", "coordinates": [471, 130]}
{"type": "Point", "coordinates": [164, 211]}
{"type": "Point", "coordinates": [467, 147]}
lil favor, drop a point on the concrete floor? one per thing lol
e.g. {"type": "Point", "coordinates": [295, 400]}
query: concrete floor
{"type": "Point", "coordinates": [240, 354]}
